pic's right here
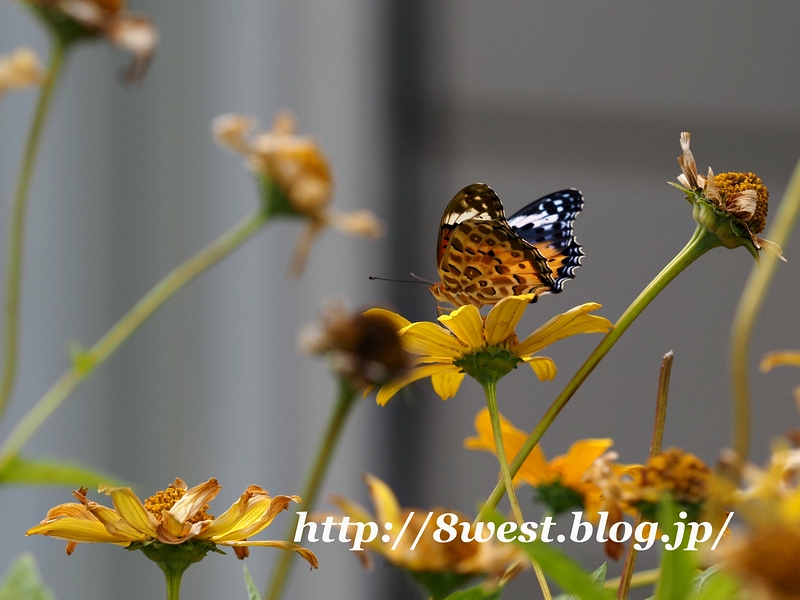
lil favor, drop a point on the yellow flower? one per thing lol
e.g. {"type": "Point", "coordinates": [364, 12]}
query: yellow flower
{"type": "Point", "coordinates": [364, 349]}
{"type": "Point", "coordinates": [561, 482]}
{"type": "Point", "coordinates": [296, 166]}
{"type": "Point", "coordinates": [458, 557]}
{"type": "Point", "coordinates": [168, 519]}
{"type": "Point", "coordinates": [779, 359]}
{"type": "Point", "coordinates": [483, 347]}
{"type": "Point", "coordinates": [733, 206]}
{"type": "Point", "coordinates": [74, 20]}
{"type": "Point", "coordinates": [19, 70]}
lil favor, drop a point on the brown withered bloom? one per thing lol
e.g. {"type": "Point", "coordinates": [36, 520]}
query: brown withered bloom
{"type": "Point", "coordinates": [363, 348]}
{"type": "Point", "coordinates": [19, 70]}
{"type": "Point", "coordinates": [768, 561]}
{"type": "Point", "coordinates": [74, 20]}
{"type": "Point", "coordinates": [296, 167]}
{"type": "Point", "coordinates": [732, 205]}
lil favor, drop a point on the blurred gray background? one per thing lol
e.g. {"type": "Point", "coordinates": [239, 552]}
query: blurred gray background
{"type": "Point", "coordinates": [411, 100]}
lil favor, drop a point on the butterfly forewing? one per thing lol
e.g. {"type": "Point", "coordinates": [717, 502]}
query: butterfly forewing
{"type": "Point", "coordinates": [483, 258]}
{"type": "Point", "coordinates": [547, 224]}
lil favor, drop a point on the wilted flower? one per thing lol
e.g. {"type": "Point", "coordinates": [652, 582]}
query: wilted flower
{"type": "Point", "coordinates": [363, 348]}
{"type": "Point", "coordinates": [682, 475]}
{"type": "Point", "coordinates": [74, 20]}
{"type": "Point", "coordinates": [733, 206]}
{"type": "Point", "coordinates": [169, 518]}
{"type": "Point", "coordinates": [295, 167]}
{"type": "Point", "coordinates": [19, 70]}
{"type": "Point", "coordinates": [433, 563]}
{"type": "Point", "coordinates": [485, 348]}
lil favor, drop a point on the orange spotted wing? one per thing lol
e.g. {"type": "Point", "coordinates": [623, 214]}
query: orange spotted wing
{"type": "Point", "coordinates": [483, 257]}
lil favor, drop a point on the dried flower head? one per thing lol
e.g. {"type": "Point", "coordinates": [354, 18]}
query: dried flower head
{"type": "Point", "coordinates": [768, 561]}
{"type": "Point", "coordinates": [74, 20]}
{"type": "Point", "coordinates": [733, 206]}
{"type": "Point", "coordinates": [295, 168]}
{"type": "Point", "coordinates": [676, 472]}
{"type": "Point", "coordinates": [19, 70]}
{"type": "Point", "coordinates": [364, 348]}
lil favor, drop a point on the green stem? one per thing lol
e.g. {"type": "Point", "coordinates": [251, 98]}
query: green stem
{"type": "Point", "coordinates": [655, 449]}
{"type": "Point", "coordinates": [173, 573]}
{"type": "Point", "coordinates": [702, 241]}
{"type": "Point", "coordinates": [16, 234]}
{"type": "Point", "coordinates": [344, 403]}
{"type": "Point", "coordinates": [752, 298]}
{"type": "Point", "coordinates": [85, 362]}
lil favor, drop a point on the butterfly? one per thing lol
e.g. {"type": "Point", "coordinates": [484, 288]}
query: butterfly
{"type": "Point", "coordinates": [482, 257]}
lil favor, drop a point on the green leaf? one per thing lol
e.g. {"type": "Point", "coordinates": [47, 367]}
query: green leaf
{"type": "Point", "coordinates": [718, 586]}
{"type": "Point", "coordinates": [22, 581]}
{"type": "Point", "coordinates": [478, 592]}
{"type": "Point", "coordinates": [677, 566]}
{"type": "Point", "coordinates": [252, 590]}
{"type": "Point", "coordinates": [559, 567]}
{"type": "Point", "coordinates": [598, 576]}
{"type": "Point", "coordinates": [40, 471]}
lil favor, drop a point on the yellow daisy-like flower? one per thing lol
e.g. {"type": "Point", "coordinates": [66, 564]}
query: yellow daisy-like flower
{"type": "Point", "coordinates": [169, 518]}
{"type": "Point", "coordinates": [733, 206]}
{"type": "Point", "coordinates": [296, 166]}
{"type": "Point", "coordinates": [74, 20]}
{"type": "Point", "coordinates": [562, 481]}
{"type": "Point", "coordinates": [439, 563]}
{"type": "Point", "coordinates": [483, 347]}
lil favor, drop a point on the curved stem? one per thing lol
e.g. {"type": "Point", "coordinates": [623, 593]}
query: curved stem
{"type": "Point", "coordinates": [750, 303]}
{"type": "Point", "coordinates": [84, 362]}
{"type": "Point", "coordinates": [16, 233]}
{"type": "Point", "coordinates": [344, 402]}
{"type": "Point", "coordinates": [701, 242]}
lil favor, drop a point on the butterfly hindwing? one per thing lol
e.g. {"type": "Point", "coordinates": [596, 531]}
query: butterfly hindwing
{"type": "Point", "coordinates": [547, 224]}
{"type": "Point", "coordinates": [482, 257]}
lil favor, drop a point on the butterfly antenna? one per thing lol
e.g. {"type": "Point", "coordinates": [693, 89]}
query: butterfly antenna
{"type": "Point", "coordinates": [417, 280]}
{"type": "Point", "coordinates": [421, 279]}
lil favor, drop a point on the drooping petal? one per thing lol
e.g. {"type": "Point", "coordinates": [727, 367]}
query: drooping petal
{"type": "Point", "coordinates": [572, 322]}
{"type": "Point", "coordinates": [466, 323]}
{"type": "Point", "coordinates": [780, 358]}
{"type": "Point", "coordinates": [387, 508]}
{"type": "Point", "coordinates": [504, 317]}
{"type": "Point", "coordinates": [261, 511]}
{"type": "Point", "coordinates": [388, 390]}
{"type": "Point", "coordinates": [288, 546]}
{"type": "Point", "coordinates": [194, 500]}
{"type": "Point", "coordinates": [770, 248]}
{"type": "Point", "coordinates": [544, 367]}
{"type": "Point", "coordinates": [579, 458]}
{"type": "Point", "coordinates": [446, 383]}
{"type": "Point", "coordinates": [77, 530]}
{"type": "Point", "coordinates": [234, 518]}
{"type": "Point", "coordinates": [397, 320]}
{"type": "Point", "coordinates": [428, 339]}
{"type": "Point", "coordinates": [131, 509]}
{"type": "Point", "coordinates": [114, 524]}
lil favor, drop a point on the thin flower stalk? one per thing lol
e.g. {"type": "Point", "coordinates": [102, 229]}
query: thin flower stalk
{"type": "Point", "coordinates": [16, 234]}
{"type": "Point", "coordinates": [655, 448]}
{"type": "Point", "coordinates": [344, 403]}
{"type": "Point", "coordinates": [752, 298]}
{"type": "Point", "coordinates": [85, 361]}
{"type": "Point", "coordinates": [701, 242]}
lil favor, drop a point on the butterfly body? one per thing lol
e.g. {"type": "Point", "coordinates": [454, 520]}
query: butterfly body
{"type": "Point", "coordinates": [483, 257]}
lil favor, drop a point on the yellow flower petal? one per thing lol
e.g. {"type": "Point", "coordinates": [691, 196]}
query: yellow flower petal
{"type": "Point", "coordinates": [387, 508]}
{"type": "Point", "coordinates": [397, 320]}
{"type": "Point", "coordinates": [194, 500]}
{"type": "Point", "coordinates": [390, 389]}
{"type": "Point", "coordinates": [114, 524]}
{"type": "Point", "coordinates": [446, 383]}
{"type": "Point", "coordinates": [429, 339]}
{"type": "Point", "coordinates": [579, 458]}
{"type": "Point", "coordinates": [504, 317]}
{"type": "Point", "coordinates": [289, 546]}
{"type": "Point", "coordinates": [77, 530]}
{"type": "Point", "coordinates": [233, 518]}
{"type": "Point", "coordinates": [260, 513]}
{"type": "Point", "coordinates": [781, 358]}
{"type": "Point", "coordinates": [572, 322]}
{"type": "Point", "coordinates": [131, 509]}
{"type": "Point", "coordinates": [467, 324]}
{"type": "Point", "coordinates": [544, 367]}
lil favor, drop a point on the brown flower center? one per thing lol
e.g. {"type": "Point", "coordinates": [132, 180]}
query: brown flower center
{"type": "Point", "coordinates": [166, 499]}
{"type": "Point", "coordinates": [732, 183]}
{"type": "Point", "coordinates": [682, 474]}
